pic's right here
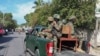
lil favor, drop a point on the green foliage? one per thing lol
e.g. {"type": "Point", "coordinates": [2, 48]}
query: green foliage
{"type": "Point", "coordinates": [84, 10]}
{"type": "Point", "coordinates": [7, 21]}
{"type": "Point", "coordinates": [1, 15]}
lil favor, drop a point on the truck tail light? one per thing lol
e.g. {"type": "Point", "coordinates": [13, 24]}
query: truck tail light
{"type": "Point", "coordinates": [49, 49]}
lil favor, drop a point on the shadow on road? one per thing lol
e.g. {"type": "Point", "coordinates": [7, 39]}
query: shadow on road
{"type": "Point", "coordinates": [2, 47]}
{"type": "Point", "coordinates": [6, 39]}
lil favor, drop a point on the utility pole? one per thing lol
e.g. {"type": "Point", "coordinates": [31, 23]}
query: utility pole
{"type": "Point", "coordinates": [3, 19]}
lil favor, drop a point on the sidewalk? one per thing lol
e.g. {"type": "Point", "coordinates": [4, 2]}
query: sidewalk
{"type": "Point", "coordinates": [95, 51]}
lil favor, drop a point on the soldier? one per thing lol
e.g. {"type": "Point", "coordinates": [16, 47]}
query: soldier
{"type": "Point", "coordinates": [56, 31]}
{"type": "Point", "coordinates": [53, 29]}
{"type": "Point", "coordinates": [57, 21]}
{"type": "Point", "coordinates": [47, 32]}
{"type": "Point", "coordinates": [71, 24]}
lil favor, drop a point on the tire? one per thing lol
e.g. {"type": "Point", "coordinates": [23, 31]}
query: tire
{"type": "Point", "coordinates": [85, 46]}
{"type": "Point", "coordinates": [37, 53]}
{"type": "Point", "coordinates": [1, 35]}
{"type": "Point", "coordinates": [25, 48]}
{"type": "Point", "coordinates": [26, 51]}
{"type": "Point", "coordinates": [88, 49]}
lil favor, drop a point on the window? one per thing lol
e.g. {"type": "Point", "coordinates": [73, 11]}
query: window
{"type": "Point", "coordinates": [34, 31]}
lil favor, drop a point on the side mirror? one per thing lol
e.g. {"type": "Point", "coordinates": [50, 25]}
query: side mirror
{"type": "Point", "coordinates": [27, 33]}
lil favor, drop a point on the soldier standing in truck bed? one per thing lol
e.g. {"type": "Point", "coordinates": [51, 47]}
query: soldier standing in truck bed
{"type": "Point", "coordinates": [56, 31]}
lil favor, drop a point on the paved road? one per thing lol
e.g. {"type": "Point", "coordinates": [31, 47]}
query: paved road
{"type": "Point", "coordinates": [13, 45]}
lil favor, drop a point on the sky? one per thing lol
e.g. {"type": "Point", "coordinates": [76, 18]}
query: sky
{"type": "Point", "coordinates": [19, 8]}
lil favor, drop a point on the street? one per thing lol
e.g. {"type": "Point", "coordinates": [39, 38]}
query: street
{"type": "Point", "coordinates": [13, 45]}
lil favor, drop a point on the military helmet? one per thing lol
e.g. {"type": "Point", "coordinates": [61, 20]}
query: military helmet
{"type": "Point", "coordinates": [64, 21]}
{"type": "Point", "coordinates": [57, 16]}
{"type": "Point", "coordinates": [50, 18]}
{"type": "Point", "coordinates": [72, 17]}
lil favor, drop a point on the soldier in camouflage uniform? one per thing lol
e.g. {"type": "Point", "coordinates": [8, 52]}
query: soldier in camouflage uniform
{"type": "Point", "coordinates": [56, 31]}
{"type": "Point", "coordinates": [58, 22]}
{"type": "Point", "coordinates": [47, 32]}
{"type": "Point", "coordinates": [53, 29]}
{"type": "Point", "coordinates": [70, 23]}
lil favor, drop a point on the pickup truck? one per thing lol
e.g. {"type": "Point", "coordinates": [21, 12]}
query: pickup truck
{"type": "Point", "coordinates": [37, 46]}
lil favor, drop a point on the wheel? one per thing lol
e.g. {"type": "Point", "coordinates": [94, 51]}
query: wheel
{"type": "Point", "coordinates": [88, 49]}
{"type": "Point", "coordinates": [25, 48]}
{"type": "Point", "coordinates": [37, 53]}
{"type": "Point", "coordinates": [85, 46]}
{"type": "Point", "coordinates": [27, 53]}
{"type": "Point", "coordinates": [1, 35]}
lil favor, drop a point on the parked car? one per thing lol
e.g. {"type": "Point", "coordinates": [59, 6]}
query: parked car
{"type": "Point", "coordinates": [36, 45]}
{"type": "Point", "coordinates": [2, 31]}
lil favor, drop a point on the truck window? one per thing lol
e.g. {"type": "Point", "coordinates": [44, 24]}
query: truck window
{"type": "Point", "coordinates": [34, 32]}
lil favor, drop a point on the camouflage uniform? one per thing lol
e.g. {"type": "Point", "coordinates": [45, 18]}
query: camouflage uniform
{"type": "Point", "coordinates": [70, 23]}
{"type": "Point", "coordinates": [57, 24]}
{"type": "Point", "coordinates": [57, 30]}
{"type": "Point", "coordinates": [47, 32]}
{"type": "Point", "coordinates": [72, 27]}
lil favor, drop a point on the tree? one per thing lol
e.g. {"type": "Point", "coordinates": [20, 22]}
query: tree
{"type": "Point", "coordinates": [31, 19]}
{"type": "Point", "coordinates": [1, 16]}
{"type": "Point", "coordinates": [84, 10]}
{"type": "Point", "coordinates": [38, 4]}
{"type": "Point", "coordinates": [7, 20]}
